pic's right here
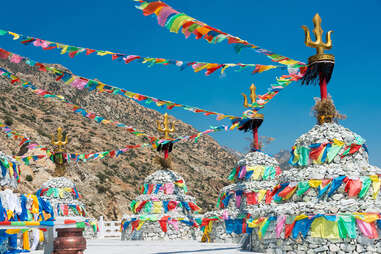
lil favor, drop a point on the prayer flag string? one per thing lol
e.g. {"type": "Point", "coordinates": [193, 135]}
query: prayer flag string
{"type": "Point", "coordinates": [173, 20]}
{"type": "Point", "coordinates": [197, 66]}
{"type": "Point", "coordinates": [89, 84]}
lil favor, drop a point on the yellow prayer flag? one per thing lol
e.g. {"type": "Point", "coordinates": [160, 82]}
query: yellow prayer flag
{"type": "Point", "coordinates": [314, 183]}
{"type": "Point", "coordinates": [140, 225]}
{"type": "Point", "coordinates": [261, 195]}
{"type": "Point", "coordinates": [64, 49]}
{"type": "Point", "coordinates": [323, 228]}
{"type": "Point", "coordinates": [258, 172]}
{"type": "Point", "coordinates": [301, 217]}
{"type": "Point", "coordinates": [157, 207]}
{"type": "Point", "coordinates": [376, 183]}
{"type": "Point", "coordinates": [15, 36]}
{"type": "Point", "coordinates": [203, 66]}
{"type": "Point", "coordinates": [338, 142]}
{"type": "Point", "coordinates": [103, 53]}
{"type": "Point", "coordinates": [254, 223]}
{"type": "Point", "coordinates": [367, 217]}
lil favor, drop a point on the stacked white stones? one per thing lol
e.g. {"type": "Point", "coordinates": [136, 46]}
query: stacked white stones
{"type": "Point", "coordinates": [64, 197]}
{"type": "Point", "coordinates": [151, 229]}
{"type": "Point", "coordinates": [352, 166]}
{"type": "Point", "coordinates": [253, 160]}
{"type": "Point", "coordinates": [7, 180]}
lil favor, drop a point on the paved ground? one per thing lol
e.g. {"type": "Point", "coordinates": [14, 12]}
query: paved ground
{"type": "Point", "coordinates": [159, 247]}
{"type": "Point", "coordinates": [116, 246]}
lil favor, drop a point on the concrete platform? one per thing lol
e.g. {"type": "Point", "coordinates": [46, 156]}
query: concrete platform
{"type": "Point", "coordinates": [116, 246]}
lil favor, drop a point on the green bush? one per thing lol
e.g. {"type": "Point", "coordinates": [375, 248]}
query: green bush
{"type": "Point", "coordinates": [101, 188]}
{"type": "Point", "coordinates": [29, 178]}
{"type": "Point", "coordinates": [8, 120]}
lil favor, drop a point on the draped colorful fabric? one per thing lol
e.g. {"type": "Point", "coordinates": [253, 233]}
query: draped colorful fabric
{"type": "Point", "coordinates": [255, 173]}
{"type": "Point", "coordinates": [164, 221]}
{"type": "Point", "coordinates": [323, 153]}
{"type": "Point", "coordinates": [158, 207]}
{"type": "Point", "coordinates": [321, 225]}
{"type": "Point", "coordinates": [359, 188]}
{"type": "Point", "coordinates": [10, 167]}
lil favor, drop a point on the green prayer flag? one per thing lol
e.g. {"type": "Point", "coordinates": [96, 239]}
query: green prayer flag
{"type": "Point", "coordinates": [232, 174]}
{"type": "Point", "coordinates": [347, 226]}
{"type": "Point", "coordinates": [218, 201]}
{"type": "Point", "coordinates": [366, 182]}
{"type": "Point", "coordinates": [132, 205]}
{"type": "Point", "coordinates": [333, 151]}
{"type": "Point", "coordinates": [302, 188]}
{"type": "Point", "coordinates": [304, 156]}
{"type": "Point", "coordinates": [172, 19]}
{"type": "Point", "coordinates": [3, 32]}
{"type": "Point", "coordinates": [148, 207]}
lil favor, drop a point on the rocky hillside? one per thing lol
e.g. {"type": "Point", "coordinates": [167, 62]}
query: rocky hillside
{"type": "Point", "coordinates": [283, 157]}
{"type": "Point", "coordinates": [107, 185]}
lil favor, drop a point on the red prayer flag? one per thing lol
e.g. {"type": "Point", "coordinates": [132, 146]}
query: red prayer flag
{"type": "Point", "coordinates": [353, 187]}
{"type": "Point", "coordinates": [89, 51]}
{"type": "Point", "coordinates": [4, 54]}
{"type": "Point", "coordinates": [251, 198]}
{"type": "Point", "coordinates": [288, 230]}
{"type": "Point", "coordinates": [171, 205]}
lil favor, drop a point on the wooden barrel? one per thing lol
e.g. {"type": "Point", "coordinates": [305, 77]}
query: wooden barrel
{"type": "Point", "coordinates": [69, 241]}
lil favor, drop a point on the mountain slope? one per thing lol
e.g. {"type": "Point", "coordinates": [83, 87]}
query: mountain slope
{"type": "Point", "coordinates": [107, 185]}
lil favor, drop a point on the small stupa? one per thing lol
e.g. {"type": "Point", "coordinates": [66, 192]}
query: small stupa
{"type": "Point", "coordinates": [61, 191]}
{"type": "Point", "coordinates": [255, 174]}
{"type": "Point", "coordinates": [163, 211]}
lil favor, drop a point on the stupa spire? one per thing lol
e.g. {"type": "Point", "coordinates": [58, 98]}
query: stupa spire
{"type": "Point", "coordinates": [59, 145]}
{"type": "Point", "coordinates": [165, 147]}
{"type": "Point", "coordinates": [320, 65]}
{"type": "Point", "coordinates": [252, 118]}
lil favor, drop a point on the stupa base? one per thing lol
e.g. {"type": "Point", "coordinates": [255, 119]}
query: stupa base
{"type": "Point", "coordinates": [151, 231]}
{"type": "Point", "coordinates": [219, 235]}
{"type": "Point", "coordinates": [312, 245]}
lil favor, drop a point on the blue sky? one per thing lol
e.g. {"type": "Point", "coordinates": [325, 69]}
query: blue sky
{"type": "Point", "coordinates": [274, 25]}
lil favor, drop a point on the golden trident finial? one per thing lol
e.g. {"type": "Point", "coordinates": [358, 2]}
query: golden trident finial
{"type": "Point", "coordinates": [318, 43]}
{"type": "Point", "coordinates": [166, 128]}
{"type": "Point", "coordinates": [60, 144]}
{"type": "Point", "coordinates": [253, 97]}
